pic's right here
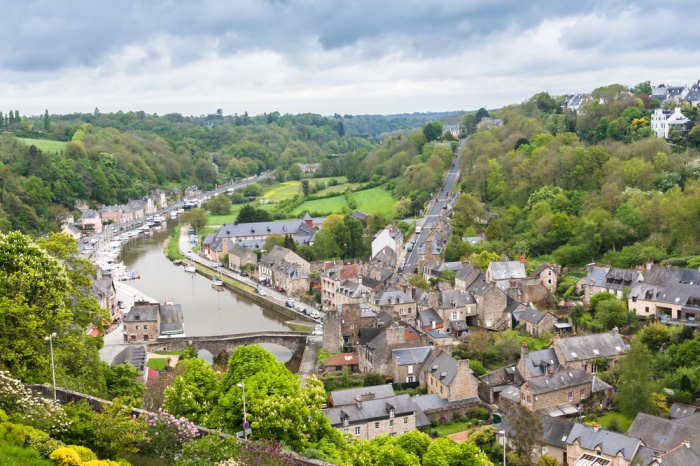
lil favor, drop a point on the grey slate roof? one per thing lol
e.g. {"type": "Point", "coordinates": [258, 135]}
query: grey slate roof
{"type": "Point", "coordinates": [532, 315]}
{"type": "Point", "coordinates": [598, 385]}
{"type": "Point", "coordinates": [680, 410]}
{"type": "Point", "coordinates": [682, 455]}
{"type": "Point", "coordinates": [591, 346]}
{"type": "Point", "coordinates": [555, 431]}
{"type": "Point", "coordinates": [559, 381]}
{"type": "Point", "coordinates": [142, 312]}
{"type": "Point", "coordinates": [410, 356]}
{"type": "Point", "coordinates": [678, 293]}
{"type": "Point", "coordinates": [511, 393]}
{"type": "Point", "coordinates": [372, 409]}
{"type": "Point", "coordinates": [444, 367]}
{"type": "Point", "coordinates": [662, 434]}
{"type": "Point", "coordinates": [455, 298]}
{"type": "Point", "coordinates": [347, 397]}
{"type": "Point", "coordinates": [539, 362]}
{"type": "Point", "coordinates": [428, 316]}
{"type": "Point", "coordinates": [610, 443]}
{"type": "Point", "coordinates": [465, 272]}
{"type": "Point", "coordinates": [275, 255]}
{"type": "Point", "coordinates": [134, 355]}
{"type": "Point", "coordinates": [507, 270]}
{"type": "Point", "coordinates": [392, 297]}
{"type": "Point", "coordinates": [90, 214]}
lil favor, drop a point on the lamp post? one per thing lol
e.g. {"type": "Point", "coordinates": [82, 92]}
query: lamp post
{"type": "Point", "coordinates": [245, 416]}
{"type": "Point", "coordinates": [503, 433]}
{"type": "Point", "coordinates": [53, 369]}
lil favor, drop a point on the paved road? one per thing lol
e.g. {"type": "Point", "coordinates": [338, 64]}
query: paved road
{"type": "Point", "coordinates": [436, 209]}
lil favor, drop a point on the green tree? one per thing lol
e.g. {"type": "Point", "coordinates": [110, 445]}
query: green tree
{"type": "Point", "coordinates": [432, 131]}
{"type": "Point", "coordinates": [612, 313]}
{"type": "Point", "coordinates": [273, 240]}
{"type": "Point", "coordinates": [294, 172]}
{"type": "Point", "coordinates": [197, 218]}
{"type": "Point", "coordinates": [348, 237]}
{"type": "Point", "coordinates": [305, 187]}
{"type": "Point", "coordinates": [526, 433]}
{"type": "Point", "coordinates": [466, 209]}
{"type": "Point", "coordinates": [193, 394]}
{"type": "Point", "coordinates": [547, 460]}
{"type": "Point", "coordinates": [289, 242]}
{"type": "Point", "coordinates": [636, 386]}
{"type": "Point", "coordinates": [219, 205]}
{"type": "Point", "coordinates": [125, 381]}
{"type": "Point", "coordinates": [115, 431]}
{"type": "Point", "coordinates": [253, 190]}
{"type": "Point", "coordinates": [249, 214]}
{"type": "Point", "coordinates": [47, 121]}
{"type": "Point", "coordinates": [483, 259]}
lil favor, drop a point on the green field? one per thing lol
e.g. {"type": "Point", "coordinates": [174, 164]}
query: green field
{"type": "Point", "coordinates": [235, 208]}
{"type": "Point", "coordinates": [45, 145]}
{"type": "Point", "coordinates": [157, 364]}
{"type": "Point", "coordinates": [281, 191]}
{"type": "Point", "coordinates": [623, 421]}
{"type": "Point", "coordinates": [370, 201]}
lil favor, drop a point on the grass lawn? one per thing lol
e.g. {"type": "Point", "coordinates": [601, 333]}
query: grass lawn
{"type": "Point", "coordinates": [623, 421]}
{"type": "Point", "coordinates": [157, 364]}
{"type": "Point", "coordinates": [45, 145]}
{"type": "Point", "coordinates": [535, 344]}
{"type": "Point", "coordinates": [282, 191]}
{"type": "Point", "coordinates": [452, 427]}
{"type": "Point", "coordinates": [300, 328]}
{"type": "Point", "coordinates": [370, 201]}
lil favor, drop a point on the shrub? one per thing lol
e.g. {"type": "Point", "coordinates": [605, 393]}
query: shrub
{"type": "Point", "coordinates": [65, 456]}
{"type": "Point", "coordinates": [208, 450]}
{"type": "Point", "coordinates": [479, 413]}
{"type": "Point", "coordinates": [44, 445]}
{"type": "Point", "coordinates": [15, 435]}
{"type": "Point", "coordinates": [314, 454]}
{"type": "Point", "coordinates": [84, 452]}
{"type": "Point", "coordinates": [167, 434]}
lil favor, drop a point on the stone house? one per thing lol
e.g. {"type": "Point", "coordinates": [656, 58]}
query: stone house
{"type": "Point", "coordinates": [70, 230]}
{"type": "Point", "coordinates": [394, 302]}
{"type": "Point", "coordinates": [491, 303]}
{"type": "Point", "coordinates": [343, 324]}
{"type": "Point", "coordinates": [293, 277]}
{"type": "Point", "coordinates": [159, 198]}
{"type": "Point", "coordinates": [455, 307]}
{"type": "Point", "coordinates": [332, 276]}
{"type": "Point", "coordinates": [375, 348]}
{"type": "Point", "coordinates": [609, 280]}
{"type": "Point", "coordinates": [450, 378]}
{"type": "Point", "coordinates": [147, 321]}
{"type": "Point", "coordinates": [555, 432]}
{"type": "Point", "coordinates": [238, 257]}
{"type": "Point", "coordinates": [537, 363]}
{"type": "Point", "coordinates": [429, 320]}
{"type": "Point", "coordinates": [491, 385]}
{"type": "Point", "coordinates": [547, 276]}
{"type": "Point", "coordinates": [407, 364]}
{"type": "Point", "coordinates": [368, 417]}
{"type": "Point", "coordinates": [570, 388]}
{"type": "Point", "coordinates": [272, 262]}
{"type": "Point", "coordinates": [536, 322]}
{"type": "Point", "coordinates": [467, 276]}
{"type": "Point", "coordinates": [91, 220]}
{"type": "Point", "coordinates": [589, 351]}
{"type": "Point", "coordinates": [106, 294]}
{"type": "Point", "coordinates": [339, 362]}
{"type": "Point", "coordinates": [666, 435]}
{"type": "Point", "coordinates": [593, 445]}
{"type": "Point", "coordinates": [112, 214]}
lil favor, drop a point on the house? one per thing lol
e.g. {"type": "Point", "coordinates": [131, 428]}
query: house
{"type": "Point", "coordinates": [663, 121]}
{"type": "Point", "coordinates": [555, 432]}
{"type": "Point", "coordinates": [106, 294]}
{"type": "Point", "coordinates": [369, 417]}
{"type": "Point", "coordinates": [337, 398]}
{"type": "Point", "coordinates": [491, 303]}
{"type": "Point", "coordinates": [147, 321]}
{"type": "Point", "coordinates": [609, 280]}
{"type": "Point", "coordinates": [536, 322]}
{"type": "Point", "coordinates": [342, 326]}
{"type": "Point", "coordinates": [159, 198]}
{"type": "Point", "coordinates": [489, 122]}
{"type": "Point", "coordinates": [192, 191]}
{"type": "Point", "coordinates": [681, 410]}
{"type": "Point", "coordinates": [670, 293]}
{"type": "Point", "coordinates": [537, 363]}
{"type": "Point", "coordinates": [376, 344]}
{"type": "Point", "coordinates": [455, 307]}
{"type": "Point", "coordinates": [309, 167]}
{"type": "Point", "coordinates": [491, 385]}
{"type": "Point", "coordinates": [428, 319]}
{"type": "Point", "coordinates": [435, 268]}
{"type": "Point", "coordinates": [91, 220]}
{"type": "Point", "coordinates": [467, 276]}
{"type": "Point", "coordinates": [591, 445]}
{"type": "Point", "coordinates": [339, 362]}
{"type": "Point", "coordinates": [361, 216]}
{"type": "Point", "coordinates": [284, 268]}
{"type": "Point", "coordinates": [394, 302]}
{"type": "Point", "coordinates": [574, 102]}
{"type": "Point", "coordinates": [70, 230]}
{"type": "Point", "coordinates": [562, 393]}
{"type": "Point", "coordinates": [664, 435]}
{"type": "Point", "coordinates": [589, 351]}
{"type": "Point", "coordinates": [238, 257]}
{"type": "Point", "coordinates": [547, 276]}
{"type": "Point", "coordinates": [452, 129]}
{"type": "Point", "coordinates": [407, 364]}
{"type": "Point", "coordinates": [450, 378]}
{"type": "Point", "coordinates": [390, 237]}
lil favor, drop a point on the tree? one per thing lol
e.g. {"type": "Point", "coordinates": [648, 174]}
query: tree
{"type": "Point", "coordinates": [289, 242]}
{"type": "Point", "coordinates": [273, 240]}
{"type": "Point", "coordinates": [115, 431]}
{"type": "Point", "coordinates": [635, 381]}
{"type": "Point", "coordinates": [612, 313]}
{"type": "Point", "coordinates": [305, 187]}
{"type": "Point", "coordinates": [432, 131]}
{"type": "Point", "coordinates": [194, 393]}
{"type": "Point", "coordinates": [294, 172]}
{"type": "Point", "coordinates": [47, 121]}
{"type": "Point", "coordinates": [249, 214]}
{"type": "Point", "coordinates": [526, 432]}
{"type": "Point", "coordinates": [348, 237]}
{"type": "Point", "coordinates": [197, 218]}
{"type": "Point", "coordinates": [219, 205]}
{"type": "Point", "coordinates": [466, 209]}
{"type": "Point", "coordinates": [253, 190]}
{"type": "Point", "coordinates": [124, 381]}
{"type": "Point", "coordinates": [547, 460]}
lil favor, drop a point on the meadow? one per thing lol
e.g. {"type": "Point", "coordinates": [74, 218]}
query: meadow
{"type": "Point", "coordinates": [44, 145]}
{"type": "Point", "coordinates": [369, 201]}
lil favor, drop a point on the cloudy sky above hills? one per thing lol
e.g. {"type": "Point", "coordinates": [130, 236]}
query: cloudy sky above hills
{"type": "Point", "coordinates": [356, 57]}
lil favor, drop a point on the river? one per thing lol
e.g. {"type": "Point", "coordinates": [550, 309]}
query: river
{"type": "Point", "coordinates": [206, 311]}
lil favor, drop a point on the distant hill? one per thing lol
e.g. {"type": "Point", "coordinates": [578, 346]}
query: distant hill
{"type": "Point", "coordinates": [372, 126]}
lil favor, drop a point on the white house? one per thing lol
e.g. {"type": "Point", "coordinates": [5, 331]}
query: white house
{"type": "Point", "coordinates": [663, 121]}
{"type": "Point", "coordinates": [389, 236]}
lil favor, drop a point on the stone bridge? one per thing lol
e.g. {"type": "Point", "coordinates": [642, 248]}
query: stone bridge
{"type": "Point", "coordinates": [294, 341]}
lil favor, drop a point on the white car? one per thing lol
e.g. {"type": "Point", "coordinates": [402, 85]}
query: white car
{"type": "Point", "coordinates": [314, 315]}
{"type": "Point", "coordinates": [261, 291]}
{"type": "Point", "coordinates": [317, 332]}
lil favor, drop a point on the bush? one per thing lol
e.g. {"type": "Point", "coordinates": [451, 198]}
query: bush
{"type": "Point", "coordinates": [84, 452]}
{"type": "Point", "coordinates": [479, 413]}
{"type": "Point", "coordinates": [15, 435]}
{"type": "Point", "coordinates": [314, 454]}
{"type": "Point", "coordinates": [208, 450]}
{"type": "Point", "coordinates": [167, 434]}
{"type": "Point", "coordinates": [65, 456]}
{"type": "Point", "coordinates": [44, 445]}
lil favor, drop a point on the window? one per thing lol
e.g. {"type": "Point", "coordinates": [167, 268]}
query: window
{"type": "Point", "coordinates": [583, 393]}
{"type": "Point", "coordinates": [346, 421]}
{"type": "Point", "coordinates": [549, 281]}
{"type": "Point", "coordinates": [145, 327]}
{"type": "Point", "coordinates": [410, 379]}
{"type": "Point", "coordinates": [454, 316]}
{"type": "Point", "coordinates": [376, 425]}
{"type": "Point", "coordinates": [405, 420]}
{"type": "Point", "coordinates": [401, 311]}
{"type": "Point", "coordinates": [571, 396]}
{"type": "Point", "coordinates": [352, 326]}
{"type": "Point", "coordinates": [391, 423]}
{"type": "Point", "coordinates": [410, 369]}
{"type": "Point", "coordinates": [391, 412]}
{"type": "Point", "coordinates": [137, 327]}
{"type": "Point", "coordinates": [358, 430]}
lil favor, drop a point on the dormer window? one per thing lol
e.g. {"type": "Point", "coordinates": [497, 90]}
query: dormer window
{"type": "Point", "coordinates": [391, 412]}
{"type": "Point", "coordinates": [346, 421]}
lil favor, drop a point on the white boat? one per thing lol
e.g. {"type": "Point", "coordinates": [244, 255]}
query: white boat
{"type": "Point", "coordinates": [173, 214]}
{"type": "Point", "coordinates": [158, 219]}
{"type": "Point", "coordinates": [217, 282]}
{"type": "Point", "coordinates": [190, 268]}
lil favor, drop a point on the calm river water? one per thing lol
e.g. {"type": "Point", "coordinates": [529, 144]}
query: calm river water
{"type": "Point", "coordinates": [206, 310]}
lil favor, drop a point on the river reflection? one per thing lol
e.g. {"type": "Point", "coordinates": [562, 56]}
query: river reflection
{"type": "Point", "coordinates": [206, 311]}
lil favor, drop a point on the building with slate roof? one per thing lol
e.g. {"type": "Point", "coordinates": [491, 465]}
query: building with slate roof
{"type": "Point", "coordinates": [428, 319]}
{"type": "Point", "coordinates": [593, 446]}
{"type": "Point", "coordinates": [347, 397]}
{"type": "Point", "coordinates": [71, 230]}
{"type": "Point", "coordinates": [581, 351]}
{"type": "Point", "coordinates": [547, 276]}
{"type": "Point", "coordinates": [394, 302]}
{"type": "Point", "coordinates": [492, 384]}
{"type": "Point", "coordinates": [664, 434]}
{"type": "Point", "coordinates": [609, 280]}
{"type": "Point", "coordinates": [132, 354]}
{"type": "Point", "coordinates": [670, 293]}
{"type": "Point", "coordinates": [663, 121]}
{"type": "Point", "coordinates": [146, 321]}
{"type": "Point", "coordinates": [450, 378]}
{"type": "Point", "coordinates": [538, 363]}
{"type": "Point", "coordinates": [376, 346]}
{"type": "Point", "coordinates": [106, 294]}
{"type": "Point", "coordinates": [682, 455]}
{"type": "Point", "coordinates": [555, 433]}
{"type": "Point", "coordinates": [556, 389]}
{"type": "Point", "coordinates": [91, 220]}
{"type": "Point", "coordinates": [465, 277]}
{"type": "Point", "coordinates": [239, 256]}
{"type": "Point", "coordinates": [534, 321]}
{"type": "Point", "coordinates": [680, 410]}
{"type": "Point", "coordinates": [368, 418]}
{"type": "Point", "coordinates": [407, 364]}
{"type": "Point", "coordinates": [390, 237]}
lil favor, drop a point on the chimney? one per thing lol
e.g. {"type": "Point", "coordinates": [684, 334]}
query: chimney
{"type": "Point", "coordinates": [596, 427]}
{"type": "Point", "coordinates": [616, 330]}
{"type": "Point", "coordinates": [358, 401]}
{"type": "Point", "coordinates": [550, 372]}
{"type": "Point", "coordinates": [523, 350]}
{"type": "Point", "coordinates": [686, 443]}
{"type": "Point", "coordinates": [522, 259]}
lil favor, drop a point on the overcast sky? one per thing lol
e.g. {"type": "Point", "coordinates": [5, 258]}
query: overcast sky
{"type": "Point", "coordinates": [323, 56]}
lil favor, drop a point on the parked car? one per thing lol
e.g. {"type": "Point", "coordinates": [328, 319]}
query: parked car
{"type": "Point", "coordinates": [261, 291]}
{"type": "Point", "coordinates": [244, 273]}
{"type": "Point", "coordinates": [314, 315]}
{"type": "Point", "coordinates": [317, 332]}
{"type": "Point", "coordinates": [281, 289]}
{"type": "Point", "coordinates": [289, 302]}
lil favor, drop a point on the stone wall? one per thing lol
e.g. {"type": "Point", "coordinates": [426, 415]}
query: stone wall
{"type": "Point", "coordinates": [447, 413]}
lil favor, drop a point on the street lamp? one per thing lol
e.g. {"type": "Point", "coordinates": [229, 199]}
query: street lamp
{"type": "Point", "coordinates": [53, 369]}
{"type": "Point", "coordinates": [503, 433]}
{"type": "Point", "coordinates": [245, 416]}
